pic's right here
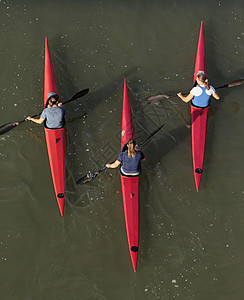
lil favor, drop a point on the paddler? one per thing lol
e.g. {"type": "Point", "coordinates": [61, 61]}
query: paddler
{"type": "Point", "coordinates": [53, 114]}
{"type": "Point", "coordinates": [200, 94]}
{"type": "Point", "coordinates": [129, 159]}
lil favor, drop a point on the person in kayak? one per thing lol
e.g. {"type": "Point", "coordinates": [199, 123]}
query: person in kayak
{"type": "Point", "coordinates": [130, 160]}
{"type": "Point", "coordinates": [200, 94]}
{"type": "Point", "coordinates": [53, 114]}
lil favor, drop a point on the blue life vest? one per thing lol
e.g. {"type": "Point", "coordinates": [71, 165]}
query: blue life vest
{"type": "Point", "coordinates": [202, 100]}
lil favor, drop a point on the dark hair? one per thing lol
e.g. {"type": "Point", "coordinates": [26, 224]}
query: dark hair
{"type": "Point", "coordinates": [131, 144]}
{"type": "Point", "coordinates": [204, 80]}
{"type": "Point", "coordinates": [52, 100]}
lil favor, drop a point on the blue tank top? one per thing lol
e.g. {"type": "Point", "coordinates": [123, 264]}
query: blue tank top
{"type": "Point", "coordinates": [202, 100]}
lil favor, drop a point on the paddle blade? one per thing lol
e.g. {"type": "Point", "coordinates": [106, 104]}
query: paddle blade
{"type": "Point", "coordinates": [78, 95]}
{"type": "Point", "coordinates": [90, 176]}
{"type": "Point", "coordinates": [7, 127]}
{"type": "Point", "coordinates": [236, 83]}
{"type": "Point", "coordinates": [87, 178]}
{"type": "Point", "coordinates": [156, 98]}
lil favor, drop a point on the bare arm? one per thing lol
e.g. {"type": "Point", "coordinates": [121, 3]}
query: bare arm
{"type": "Point", "coordinates": [216, 96]}
{"type": "Point", "coordinates": [186, 99]}
{"type": "Point", "coordinates": [37, 121]}
{"type": "Point", "coordinates": [113, 165]}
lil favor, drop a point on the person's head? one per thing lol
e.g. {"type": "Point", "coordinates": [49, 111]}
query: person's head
{"type": "Point", "coordinates": [131, 144]}
{"type": "Point", "coordinates": [53, 100]}
{"type": "Point", "coordinates": [202, 79]}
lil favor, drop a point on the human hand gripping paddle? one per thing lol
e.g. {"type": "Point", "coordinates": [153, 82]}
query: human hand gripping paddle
{"type": "Point", "coordinates": [90, 176]}
{"type": "Point", "coordinates": [9, 126]}
{"type": "Point", "coordinates": [160, 97]}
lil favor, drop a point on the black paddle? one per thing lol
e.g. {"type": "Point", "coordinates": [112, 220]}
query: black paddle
{"type": "Point", "coordinates": [9, 126]}
{"type": "Point", "coordinates": [90, 176]}
{"type": "Point", "coordinates": [160, 97]}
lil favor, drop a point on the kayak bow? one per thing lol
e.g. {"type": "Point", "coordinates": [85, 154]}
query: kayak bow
{"type": "Point", "coordinates": [199, 116]}
{"type": "Point", "coordinates": [54, 137]}
{"type": "Point", "coordinates": [130, 185]}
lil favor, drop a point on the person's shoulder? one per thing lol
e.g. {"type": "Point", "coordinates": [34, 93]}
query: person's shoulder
{"type": "Point", "coordinates": [44, 113]}
{"type": "Point", "coordinates": [62, 108]}
{"type": "Point", "coordinates": [195, 88]}
{"type": "Point", "coordinates": [58, 108]}
{"type": "Point", "coordinates": [211, 90]}
{"type": "Point", "coordinates": [121, 156]}
{"type": "Point", "coordinates": [45, 110]}
{"type": "Point", "coordinates": [196, 91]}
{"type": "Point", "coordinates": [139, 152]}
{"type": "Point", "coordinates": [125, 151]}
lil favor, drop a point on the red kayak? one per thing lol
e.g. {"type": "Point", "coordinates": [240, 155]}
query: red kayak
{"type": "Point", "coordinates": [54, 137]}
{"type": "Point", "coordinates": [130, 185]}
{"type": "Point", "coordinates": [199, 116]}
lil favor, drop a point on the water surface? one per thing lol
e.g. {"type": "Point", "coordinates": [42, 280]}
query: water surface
{"type": "Point", "coordinates": [191, 244]}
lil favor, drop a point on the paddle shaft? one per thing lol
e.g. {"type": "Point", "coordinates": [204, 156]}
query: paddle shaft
{"type": "Point", "coordinates": [90, 176]}
{"type": "Point", "coordinates": [217, 88]}
{"type": "Point", "coordinates": [227, 85]}
{"type": "Point", "coordinates": [152, 134]}
{"type": "Point", "coordinates": [7, 127]}
{"type": "Point", "coordinates": [76, 96]}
